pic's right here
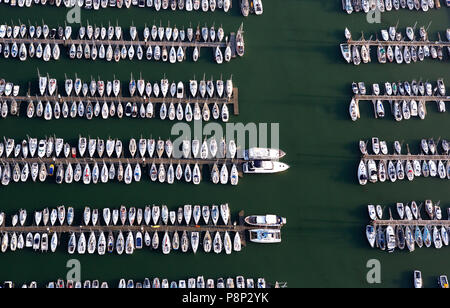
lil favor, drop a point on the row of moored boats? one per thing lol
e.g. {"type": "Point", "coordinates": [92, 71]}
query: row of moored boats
{"type": "Point", "coordinates": [418, 280]}
{"type": "Point", "coordinates": [400, 236]}
{"type": "Point", "coordinates": [54, 147]}
{"type": "Point", "coordinates": [84, 108]}
{"type": "Point", "coordinates": [113, 33]}
{"type": "Point", "coordinates": [155, 283]}
{"type": "Point", "coordinates": [128, 241]}
{"type": "Point", "coordinates": [99, 43]}
{"type": "Point", "coordinates": [404, 88]}
{"type": "Point", "coordinates": [187, 5]}
{"type": "Point", "coordinates": [401, 109]}
{"type": "Point", "coordinates": [399, 53]}
{"type": "Point", "coordinates": [409, 212]}
{"type": "Point", "coordinates": [366, 6]}
{"type": "Point", "coordinates": [427, 166]}
{"type": "Point", "coordinates": [150, 215]}
{"type": "Point", "coordinates": [55, 110]}
{"type": "Point", "coordinates": [202, 89]}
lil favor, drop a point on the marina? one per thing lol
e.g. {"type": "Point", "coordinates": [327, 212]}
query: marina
{"type": "Point", "coordinates": [368, 6]}
{"type": "Point", "coordinates": [166, 163]}
{"type": "Point", "coordinates": [157, 283]}
{"type": "Point", "coordinates": [407, 100]}
{"type": "Point", "coordinates": [126, 230]}
{"type": "Point", "coordinates": [395, 48]}
{"type": "Point", "coordinates": [409, 230]}
{"type": "Point", "coordinates": [164, 44]}
{"type": "Point", "coordinates": [157, 5]}
{"type": "Point", "coordinates": [197, 100]}
{"type": "Point", "coordinates": [398, 166]}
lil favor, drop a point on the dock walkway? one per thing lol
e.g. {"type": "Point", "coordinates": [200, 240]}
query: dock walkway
{"type": "Point", "coordinates": [240, 226]}
{"type": "Point", "coordinates": [358, 98]}
{"type": "Point", "coordinates": [146, 161]}
{"type": "Point", "coordinates": [126, 228]}
{"type": "Point", "coordinates": [397, 43]}
{"type": "Point", "coordinates": [421, 222]}
{"type": "Point", "coordinates": [405, 157]}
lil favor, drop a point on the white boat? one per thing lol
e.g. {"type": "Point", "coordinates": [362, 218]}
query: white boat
{"type": "Point", "coordinates": [370, 234]}
{"type": "Point", "coordinates": [195, 239]}
{"type": "Point", "coordinates": [259, 166]}
{"type": "Point", "coordinates": [81, 246]}
{"type": "Point", "coordinates": [354, 110]}
{"type": "Point", "coordinates": [187, 213]}
{"type": "Point", "coordinates": [227, 243]}
{"type": "Point", "coordinates": [54, 242]}
{"type": "Point", "coordinates": [418, 283]}
{"type": "Point", "coordinates": [263, 154]}
{"type": "Point", "coordinates": [265, 236]}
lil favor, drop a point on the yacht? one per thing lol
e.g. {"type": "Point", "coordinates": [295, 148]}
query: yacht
{"type": "Point", "coordinates": [260, 166]}
{"type": "Point", "coordinates": [265, 236]}
{"type": "Point", "coordinates": [265, 220]}
{"type": "Point", "coordinates": [263, 154]}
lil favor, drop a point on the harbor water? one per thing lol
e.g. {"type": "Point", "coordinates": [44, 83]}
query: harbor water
{"type": "Point", "coordinates": [292, 74]}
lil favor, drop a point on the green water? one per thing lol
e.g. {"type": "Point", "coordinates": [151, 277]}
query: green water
{"type": "Point", "coordinates": [292, 74]}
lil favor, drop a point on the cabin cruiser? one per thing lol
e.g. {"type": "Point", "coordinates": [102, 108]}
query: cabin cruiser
{"type": "Point", "coordinates": [260, 166]}
{"type": "Point", "coordinates": [265, 236]}
{"type": "Point", "coordinates": [265, 220]}
{"type": "Point", "coordinates": [263, 154]}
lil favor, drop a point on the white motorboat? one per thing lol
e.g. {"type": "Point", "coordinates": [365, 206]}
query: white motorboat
{"type": "Point", "coordinates": [265, 236]}
{"type": "Point", "coordinates": [260, 166]}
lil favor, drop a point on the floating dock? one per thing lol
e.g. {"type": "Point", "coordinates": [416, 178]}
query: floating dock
{"type": "Point", "coordinates": [397, 43]}
{"type": "Point", "coordinates": [405, 157]}
{"type": "Point", "coordinates": [143, 161]}
{"type": "Point", "coordinates": [358, 98]}
{"type": "Point", "coordinates": [238, 226]}
{"type": "Point", "coordinates": [388, 98]}
{"type": "Point", "coordinates": [420, 222]}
